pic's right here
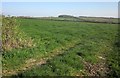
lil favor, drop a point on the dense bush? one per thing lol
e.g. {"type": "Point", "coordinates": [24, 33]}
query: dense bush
{"type": "Point", "coordinates": [12, 36]}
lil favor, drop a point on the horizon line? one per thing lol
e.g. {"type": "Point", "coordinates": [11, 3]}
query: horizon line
{"type": "Point", "coordinates": [62, 14]}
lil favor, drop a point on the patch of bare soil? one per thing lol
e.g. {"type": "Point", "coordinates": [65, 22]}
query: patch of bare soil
{"type": "Point", "coordinates": [97, 69]}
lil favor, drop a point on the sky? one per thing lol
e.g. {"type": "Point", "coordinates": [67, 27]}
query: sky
{"type": "Point", "coordinates": [60, 0]}
{"type": "Point", "coordinates": [45, 9]}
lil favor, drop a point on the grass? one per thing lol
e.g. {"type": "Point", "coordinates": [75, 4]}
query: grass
{"type": "Point", "coordinates": [69, 38]}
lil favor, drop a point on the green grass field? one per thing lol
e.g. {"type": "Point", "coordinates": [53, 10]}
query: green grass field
{"type": "Point", "coordinates": [63, 48]}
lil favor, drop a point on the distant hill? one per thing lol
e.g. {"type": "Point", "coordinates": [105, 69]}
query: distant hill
{"type": "Point", "coordinates": [67, 16]}
{"type": "Point", "coordinates": [90, 19]}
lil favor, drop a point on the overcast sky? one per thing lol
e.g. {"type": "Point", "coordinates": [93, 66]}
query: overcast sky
{"type": "Point", "coordinates": [42, 9]}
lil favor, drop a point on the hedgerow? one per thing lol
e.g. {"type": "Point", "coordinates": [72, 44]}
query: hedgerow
{"type": "Point", "coordinates": [12, 36]}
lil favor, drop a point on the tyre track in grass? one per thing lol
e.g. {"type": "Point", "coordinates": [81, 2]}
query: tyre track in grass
{"type": "Point", "coordinates": [33, 62]}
